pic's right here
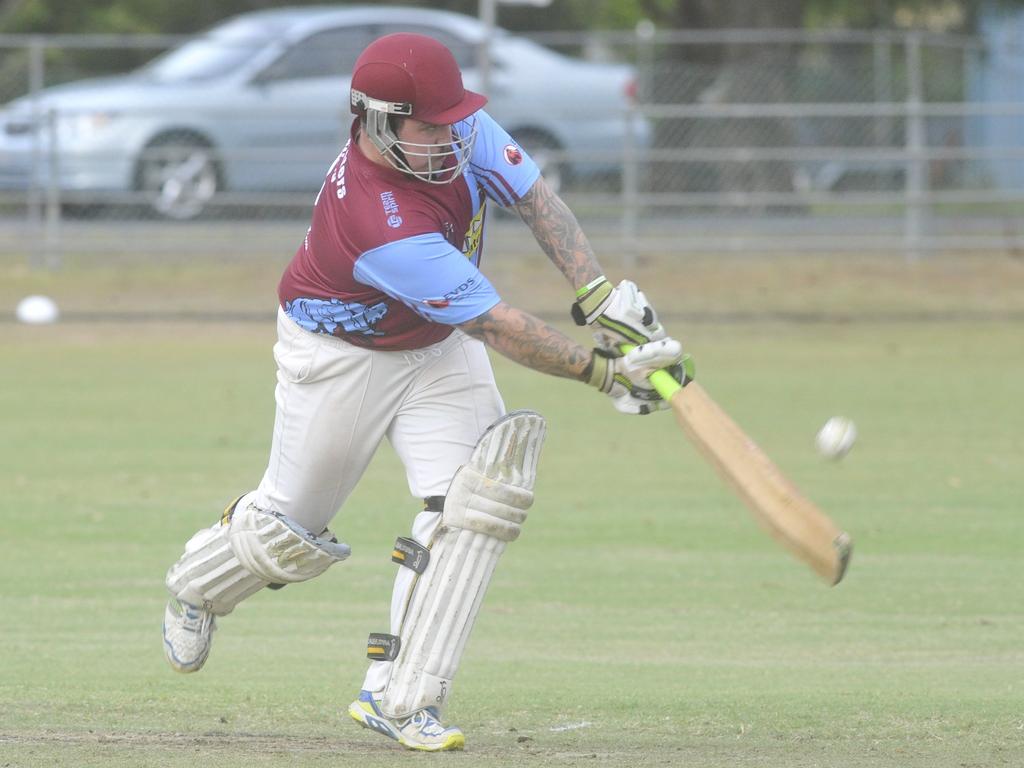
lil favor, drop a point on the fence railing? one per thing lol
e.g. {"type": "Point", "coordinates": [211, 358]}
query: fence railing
{"type": "Point", "coordinates": [783, 140]}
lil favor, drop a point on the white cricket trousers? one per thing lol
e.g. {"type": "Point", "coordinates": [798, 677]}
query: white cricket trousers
{"type": "Point", "coordinates": [336, 402]}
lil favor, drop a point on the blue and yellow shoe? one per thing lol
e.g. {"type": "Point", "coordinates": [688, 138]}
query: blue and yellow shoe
{"type": "Point", "coordinates": [188, 632]}
{"type": "Point", "coordinates": [421, 730]}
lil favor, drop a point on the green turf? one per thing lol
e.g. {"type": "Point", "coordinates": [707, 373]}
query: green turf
{"type": "Point", "coordinates": [641, 620]}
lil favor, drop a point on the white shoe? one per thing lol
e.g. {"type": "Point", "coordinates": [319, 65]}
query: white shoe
{"type": "Point", "coordinates": [421, 730]}
{"type": "Point", "coordinates": [188, 632]}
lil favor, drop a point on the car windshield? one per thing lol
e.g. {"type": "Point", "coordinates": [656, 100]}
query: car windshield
{"type": "Point", "coordinates": [215, 54]}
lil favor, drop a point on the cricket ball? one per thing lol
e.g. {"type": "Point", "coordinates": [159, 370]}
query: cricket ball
{"type": "Point", "coordinates": [836, 438]}
{"type": "Point", "coordinates": [37, 310]}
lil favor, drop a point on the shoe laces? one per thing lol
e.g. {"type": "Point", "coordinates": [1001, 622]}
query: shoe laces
{"type": "Point", "coordinates": [196, 619]}
{"type": "Point", "coordinates": [425, 722]}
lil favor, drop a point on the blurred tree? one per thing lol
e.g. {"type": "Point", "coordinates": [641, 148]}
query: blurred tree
{"type": "Point", "coordinates": [744, 73]}
{"type": "Point", "coordinates": [722, 73]}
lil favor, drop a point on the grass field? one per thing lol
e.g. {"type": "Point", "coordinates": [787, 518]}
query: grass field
{"type": "Point", "coordinates": [641, 620]}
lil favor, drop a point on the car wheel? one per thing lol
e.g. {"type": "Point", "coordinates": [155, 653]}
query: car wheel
{"type": "Point", "coordinates": [545, 153]}
{"type": "Point", "coordinates": [179, 175]}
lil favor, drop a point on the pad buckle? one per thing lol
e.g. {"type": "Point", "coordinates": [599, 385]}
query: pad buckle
{"type": "Point", "coordinates": [381, 646]}
{"type": "Point", "coordinates": [411, 554]}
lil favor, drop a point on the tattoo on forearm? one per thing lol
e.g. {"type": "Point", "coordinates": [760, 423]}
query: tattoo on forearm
{"type": "Point", "coordinates": [559, 234]}
{"type": "Point", "coordinates": [529, 341]}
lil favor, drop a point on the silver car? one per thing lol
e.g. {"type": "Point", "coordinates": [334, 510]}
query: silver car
{"type": "Point", "coordinates": [258, 105]}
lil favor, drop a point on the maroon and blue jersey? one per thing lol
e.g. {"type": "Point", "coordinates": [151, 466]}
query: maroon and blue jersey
{"type": "Point", "coordinates": [392, 262]}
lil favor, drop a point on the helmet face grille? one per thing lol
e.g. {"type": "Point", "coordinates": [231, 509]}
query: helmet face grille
{"type": "Point", "coordinates": [445, 161]}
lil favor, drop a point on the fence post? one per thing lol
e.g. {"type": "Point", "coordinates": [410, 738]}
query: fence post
{"type": "Point", "coordinates": [645, 32]}
{"type": "Point", "coordinates": [488, 15]}
{"type": "Point", "coordinates": [882, 60]}
{"type": "Point", "coordinates": [34, 199]}
{"type": "Point", "coordinates": [51, 236]}
{"type": "Point", "coordinates": [630, 193]}
{"type": "Point", "coordinates": [916, 175]}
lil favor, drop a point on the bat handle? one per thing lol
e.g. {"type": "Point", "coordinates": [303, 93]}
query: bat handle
{"type": "Point", "coordinates": [664, 384]}
{"type": "Point", "coordinates": [662, 381]}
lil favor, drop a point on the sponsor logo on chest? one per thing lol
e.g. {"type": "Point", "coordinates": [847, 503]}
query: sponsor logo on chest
{"type": "Point", "coordinates": [448, 230]}
{"type": "Point", "coordinates": [387, 199]}
{"type": "Point", "coordinates": [471, 240]}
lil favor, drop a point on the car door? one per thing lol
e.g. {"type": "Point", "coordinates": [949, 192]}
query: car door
{"type": "Point", "coordinates": [301, 118]}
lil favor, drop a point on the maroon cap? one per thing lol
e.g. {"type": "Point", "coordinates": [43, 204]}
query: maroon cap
{"type": "Point", "coordinates": [417, 76]}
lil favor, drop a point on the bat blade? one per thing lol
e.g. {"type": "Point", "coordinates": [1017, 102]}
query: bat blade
{"type": "Point", "coordinates": [778, 505]}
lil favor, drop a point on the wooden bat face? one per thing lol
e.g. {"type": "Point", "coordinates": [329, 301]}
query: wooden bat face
{"type": "Point", "coordinates": [777, 504]}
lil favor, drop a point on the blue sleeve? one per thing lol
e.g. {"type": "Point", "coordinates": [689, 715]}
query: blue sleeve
{"type": "Point", "coordinates": [503, 168]}
{"type": "Point", "coordinates": [430, 277]}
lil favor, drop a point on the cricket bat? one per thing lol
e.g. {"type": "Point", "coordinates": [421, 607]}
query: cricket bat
{"type": "Point", "coordinates": [778, 505]}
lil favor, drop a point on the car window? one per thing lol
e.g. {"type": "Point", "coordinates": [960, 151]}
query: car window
{"type": "Point", "coordinates": [331, 53]}
{"type": "Point", "coordinates": [465, 52]}
{"type": "Point", "coordinates": [205, 58]}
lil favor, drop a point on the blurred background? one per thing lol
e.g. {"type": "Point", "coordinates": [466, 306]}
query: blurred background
{"type": "Point", "coordinates": [824, 126]}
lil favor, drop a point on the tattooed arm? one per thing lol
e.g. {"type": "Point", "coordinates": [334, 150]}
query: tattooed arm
{"type": "Point", "coordinates": [620, 313]}
{"type": "Point", "coordinates": [559, 234]}
{"type": "Point", "coordinates": [526, 340]}
{"type": "Point", "coordinates": [523, 338]}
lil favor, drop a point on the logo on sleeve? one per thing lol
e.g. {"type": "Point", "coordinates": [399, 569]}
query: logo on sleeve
{"type": "Point", "coordinates": [513, 156]}
{"type": "Point", "coordinates": [445, 302]}
{"type": "Point", "coordinates": [387, 199]}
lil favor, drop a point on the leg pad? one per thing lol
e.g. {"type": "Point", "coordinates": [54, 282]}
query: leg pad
{"type": "Point", "coordinates": [249, 549]}
{"type": "Point", "coordinates": [484, 509]}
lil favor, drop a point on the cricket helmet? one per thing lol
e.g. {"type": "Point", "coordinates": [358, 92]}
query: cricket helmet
{"type": "Point", "coordinates": [409, 75]}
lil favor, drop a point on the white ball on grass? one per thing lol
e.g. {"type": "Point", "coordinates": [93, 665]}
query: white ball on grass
{"type": "Point", "coordinates": [37, 310]}
{"type": "Point", "coordinates": [836, 438]}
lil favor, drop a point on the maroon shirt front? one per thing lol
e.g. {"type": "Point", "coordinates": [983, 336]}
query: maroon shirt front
{"type": "Point", "coordinates": [374, 227]}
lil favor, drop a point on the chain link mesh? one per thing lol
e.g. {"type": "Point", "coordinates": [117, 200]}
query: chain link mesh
{"type": "Point", "coordinates": [732, 142]}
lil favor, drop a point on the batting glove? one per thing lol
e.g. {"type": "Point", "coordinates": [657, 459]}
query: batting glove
{"type": "Point", "coordinates": [617, 314]}
{"type": "Point", "coordinates": [624, 377]}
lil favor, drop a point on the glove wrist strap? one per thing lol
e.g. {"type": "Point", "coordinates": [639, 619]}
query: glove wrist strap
{"type": "Point", "coordinates": [591, 300]}
{"type": "Point", "coordinates": [580, 293]}
{"type": "Point", "coordinates": [600, 374]}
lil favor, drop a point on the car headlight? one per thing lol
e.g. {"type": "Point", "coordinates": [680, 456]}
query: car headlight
{"type": "Point", "coordinates": [15, 123]}
{"type": "Point", "coordinates": [81, 125]}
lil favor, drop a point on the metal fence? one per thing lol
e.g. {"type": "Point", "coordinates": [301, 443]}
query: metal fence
{"type": "Point", "coordinates": [741, 140]}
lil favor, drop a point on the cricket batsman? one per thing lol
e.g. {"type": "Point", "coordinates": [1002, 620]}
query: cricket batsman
{"type": "Point", "coordinates": [383, 320]}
